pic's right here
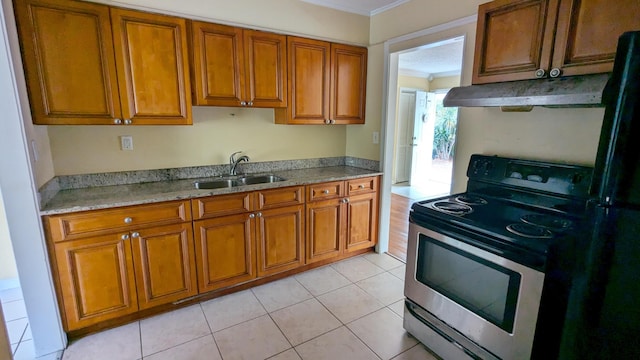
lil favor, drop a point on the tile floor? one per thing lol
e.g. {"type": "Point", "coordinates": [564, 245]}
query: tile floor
{"type": "Point", "coordinates": [15, 316]}
{"type": "Point", "coordinates": [348, 310]}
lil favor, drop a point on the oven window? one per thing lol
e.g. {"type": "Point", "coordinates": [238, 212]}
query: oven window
{"type": "Point", "coordinates": [483, 287]}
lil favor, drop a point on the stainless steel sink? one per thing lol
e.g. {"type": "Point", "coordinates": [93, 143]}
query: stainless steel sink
{"type": "Point", "coordinates": [237, 181]}
{"type": "Point", "coordinates": [261, 179]}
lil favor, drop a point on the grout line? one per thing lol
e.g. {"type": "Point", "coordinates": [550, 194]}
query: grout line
{"type": "Point", "coordinates": [210, 330]}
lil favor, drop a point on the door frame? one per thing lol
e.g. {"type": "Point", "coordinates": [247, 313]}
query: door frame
{"type": "Point", "coordinates": [438, 33]}
{"type": "Point", "coordinates": [20, 197]}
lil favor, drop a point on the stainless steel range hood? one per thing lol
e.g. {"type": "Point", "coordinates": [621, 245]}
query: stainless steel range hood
{"type": "Point", "coordinates": [571, 91]}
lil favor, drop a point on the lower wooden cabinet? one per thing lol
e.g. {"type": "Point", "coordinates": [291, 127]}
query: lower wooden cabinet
{"type": "Point", "coordinates": [280, 239]}
{"type": "Point", "coordinates": [264, 236]}
{"type": "Point", "coordinates": [325, 229]}
{"type": "Point", "coordinates": [164, 266]}
{"type": "Point", "coordinates": [344, 218]}
{"type": "Point", "coordinates": [225, 251]}
{"type": "Point", "coordinates": [112, 263]}
{"type": "Point", "coordinates": [96, 279]}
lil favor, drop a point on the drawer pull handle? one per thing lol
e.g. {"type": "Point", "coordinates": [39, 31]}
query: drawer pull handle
{"type": "Point", "coordinates": [124, 237]}
{"type": "Point", "coordinates": [135, 235]}
{"type": "Point", "coordinates": [128, 220]}
{"type": "Point", "coordinates": [361, 186]}
{"type": "Point", "coordinates": [325, 192]}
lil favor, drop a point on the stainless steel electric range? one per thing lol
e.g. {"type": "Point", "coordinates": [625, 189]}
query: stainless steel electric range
{"type": "Point", "coordinates": [489, 270]}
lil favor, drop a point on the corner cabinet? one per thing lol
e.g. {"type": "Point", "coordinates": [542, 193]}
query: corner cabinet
{"type": "Point", "coordinates": [238, 67]}
{"type": "Point", "coordinates": [327, 83]}
{"type": "Point", "coordinates": [342, 217]}
{"type": "Point", "coordinates": [104, 68]}
{"type": "Point", "coordinates": [111, 263]}
{"type": "Point", "coordinates": [529, 39]}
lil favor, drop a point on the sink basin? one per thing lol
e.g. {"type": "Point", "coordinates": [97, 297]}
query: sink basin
{"type": "Point", "coordinates": [261, 179]}
{"type": "Point", "coordinates": [237, 181]}
{"type": "Point", "coordinates": [217, 184]}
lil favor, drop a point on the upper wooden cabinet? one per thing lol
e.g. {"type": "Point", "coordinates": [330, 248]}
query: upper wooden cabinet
{"type": "Point", "coordinates": [327, 83]}
{"type": "Point", "coordinates": [238, 67]}
{"type": "Point", "coordinates": [91, 64]}
{"type": "Point", "coordinates": [529, 39]}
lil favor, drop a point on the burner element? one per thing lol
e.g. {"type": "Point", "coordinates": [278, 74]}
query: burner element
{"type": "Point", "coordinates": [471, 199]}
{"type": "Point", "coordinates": [530, 231]}
{"type": "Point", "coordinates": [452, 208]}
{"type": "Point", "coordinates": [547, 221]}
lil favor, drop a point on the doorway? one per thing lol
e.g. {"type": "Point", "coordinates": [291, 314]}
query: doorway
{"type": "Point", "coordinates": [424, 138]}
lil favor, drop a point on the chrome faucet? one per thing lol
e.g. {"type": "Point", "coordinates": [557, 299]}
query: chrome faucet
{"type": "Point", "coordinates": [233, 162]}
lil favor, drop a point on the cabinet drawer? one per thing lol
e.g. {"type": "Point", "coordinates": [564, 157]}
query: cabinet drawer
{"type": "Point", "coordinates": [221, 205]}
{"type": "Point", "coordinates": [362, 186]}
{"type": "Point", "coordinates": [76, 225]}
{"type": "Point", "coordinates": [267, 199]}
{"type": "Point", "coordinates": [329, 190]}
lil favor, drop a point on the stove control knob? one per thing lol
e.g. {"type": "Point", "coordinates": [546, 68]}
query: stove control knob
{"type": "Point", "coordinates": [577, 178]}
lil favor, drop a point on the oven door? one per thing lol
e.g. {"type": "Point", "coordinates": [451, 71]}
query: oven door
{"type": "Point", "coordinates": [489, 299]}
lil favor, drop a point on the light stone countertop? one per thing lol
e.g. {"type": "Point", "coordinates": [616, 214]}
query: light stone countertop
{"type": "Point", "coordinates": [102, 197]}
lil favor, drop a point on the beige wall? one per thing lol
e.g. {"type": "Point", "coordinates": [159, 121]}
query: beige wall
{"type": "Point", "coordinates": [413, 82]}
{"type": "Point", "coordinates": [215, 134]}
{"type": "Point", "coordinates": [286, 16]}
{"type": "Point", "coordinates": [7, 262]}
{"type": "Point", "coordinates": [446, 82]}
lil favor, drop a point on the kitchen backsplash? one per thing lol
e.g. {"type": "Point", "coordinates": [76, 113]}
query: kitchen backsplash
{"type": "Point", "coordinates": [66, 182]}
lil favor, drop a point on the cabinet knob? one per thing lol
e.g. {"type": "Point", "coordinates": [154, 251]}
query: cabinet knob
{"type": "Point", "coordinates": [124, 237]}
{"type": "Point", "coordinates": [128, 220]}
{"type": "Point", "coordinates": [135, 235]}
{"type": "Point", "coordinates": [251, 216]}
{"type": "Point", "coordinates": [540, 73]}
{"type": "Point", "coordinates": [243, 103]}
{"type": "Point", "coordinates": [345, 200]}
{"type": "Point", "coordinates": [555, 72]}
{"type": "Point", "coordinates": [332, 122]}
{"type": "Point", "coordinates": [127, 121]}
{"type": "Point", "coordinates": [325, 192]}
{"type": "Point", "coordinates": [327, 121]}
{"type": "Point", "coordinates": [250, 103]}
{"type": "Point", "coordinates": [361, 186]}
{"type": "Point", "coordinates": [117, 121]}
{"type": "Point", "coordinates": [259, 214]}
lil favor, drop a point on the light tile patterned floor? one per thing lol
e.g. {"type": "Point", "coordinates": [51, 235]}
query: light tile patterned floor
{"type": "Point", "coordinates": [347, 310]}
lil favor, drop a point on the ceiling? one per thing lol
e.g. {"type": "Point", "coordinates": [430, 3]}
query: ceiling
{"type": "Point", "coordinates": [362, 7]}
{"type": "Point", "coordinates": [436, 60]}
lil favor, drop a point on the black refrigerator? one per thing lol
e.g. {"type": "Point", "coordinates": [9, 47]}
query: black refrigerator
{"type": "Point", "coordinates": [603, 317]}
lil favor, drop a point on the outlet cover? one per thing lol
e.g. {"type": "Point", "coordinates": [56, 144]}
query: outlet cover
{"type": "Point", "coordinates": [376, 137]}
{"type": "Point", "coordinates": [126, 142]}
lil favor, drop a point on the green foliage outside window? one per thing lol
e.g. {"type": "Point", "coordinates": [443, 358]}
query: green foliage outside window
{"type": "Point", "coordinates": [444, 136]}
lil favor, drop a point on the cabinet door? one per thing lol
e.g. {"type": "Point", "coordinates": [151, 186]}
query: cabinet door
{"type": "Point", "coordinates": [96, 279]}
{"type": "Point", "coordinates": [153, 72]}
{"type": "Point", "coordinates": [280, 239]}
{"type": "Point", "coordinates": [69, 62]}
{"type": "Point", "coordinates": [348, 83]}
{"type": "Point", "coordinates": [218, 64]}
{"type": "Point", "coordinates": [266, 69]}
{"type": "Point", "coordinates": [164, 264]}
{"type": "Point", "coordinates": [588, 31]}
{"type": "Point", "coordinates": [225, 251]}
{"type": "Point", "coordinates": [513, 39]}
{"type": "Point", "coordinates": [325, 229]}
{"type": "Point", "coordinates": [362, 220]}
{"type": "Point", "coordinates": [309, 82]}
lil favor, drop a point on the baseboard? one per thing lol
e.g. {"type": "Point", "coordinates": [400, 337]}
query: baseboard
{"type": "Point", "coordinates": [9, 283]}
